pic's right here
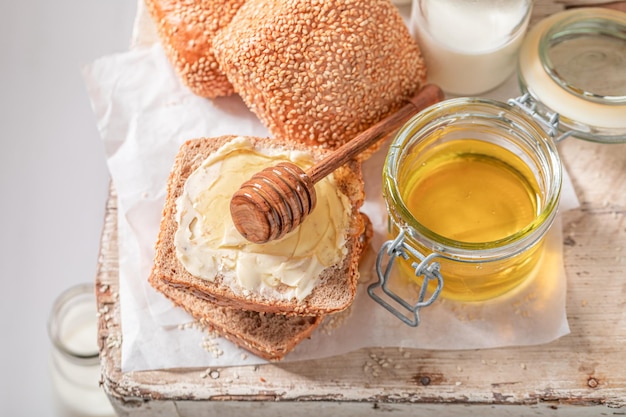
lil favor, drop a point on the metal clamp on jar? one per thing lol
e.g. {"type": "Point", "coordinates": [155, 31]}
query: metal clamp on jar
{"type": "Point", "coordinates": [472, 185]}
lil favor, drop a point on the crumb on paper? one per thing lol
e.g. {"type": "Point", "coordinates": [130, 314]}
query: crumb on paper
{"type": "Point", "coordinates": [191, 325]}
{"type": "Point", "coordinates": [210, 344]}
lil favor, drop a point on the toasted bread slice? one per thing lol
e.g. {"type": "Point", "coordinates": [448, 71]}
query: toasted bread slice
{"type": "Point", "coordinates": [269, 336]}
{"type": "Point", "coordinates": [335, 286]}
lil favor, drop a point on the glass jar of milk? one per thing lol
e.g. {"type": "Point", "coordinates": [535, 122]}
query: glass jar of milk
{"type": "Point", "coordinates": [470, 46]}
{"type": "Point", "coordinates": [74, 357]}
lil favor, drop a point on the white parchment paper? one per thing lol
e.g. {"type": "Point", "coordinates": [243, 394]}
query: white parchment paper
{"type": "Point", "coordinates": [144, 113]}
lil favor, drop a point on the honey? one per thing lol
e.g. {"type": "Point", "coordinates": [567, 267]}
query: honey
{"type": "Point", "coordinates": [471, 185]}
{"type": "Point", "coordinates": [471, 191]}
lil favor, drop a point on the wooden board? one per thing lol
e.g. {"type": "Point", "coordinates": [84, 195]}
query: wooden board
{"type": "Point", "coordinates": [583, 373]}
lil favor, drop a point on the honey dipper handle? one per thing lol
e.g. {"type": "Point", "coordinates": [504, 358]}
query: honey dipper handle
{"type": "Point", "coordinates": [277, 199]}
{"type": "Point", "coordinates": [427, 96]}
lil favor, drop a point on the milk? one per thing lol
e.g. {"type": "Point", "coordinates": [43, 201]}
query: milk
{"type": "Point", "coordinates": [470, 46]}
{"type": "Point", "coordinates": [74, 364]}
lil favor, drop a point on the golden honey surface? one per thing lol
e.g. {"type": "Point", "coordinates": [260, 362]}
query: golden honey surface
{"type": "Point", "coordinates": [473, 191]}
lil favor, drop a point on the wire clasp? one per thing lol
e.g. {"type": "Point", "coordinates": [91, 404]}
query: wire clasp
{"type": "Point", "coordinates": [423, 266]}
{"type": "Point", "coordinates": [549, 122]}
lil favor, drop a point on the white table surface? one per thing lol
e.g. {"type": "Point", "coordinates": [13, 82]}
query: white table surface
{"type": "Point", "coordinates": [53, 177]}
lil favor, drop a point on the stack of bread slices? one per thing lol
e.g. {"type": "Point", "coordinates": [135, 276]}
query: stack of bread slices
{"type": "Point", "coordinates": [316, 73]}
{"type": "Point", "coordinates": [268, 326]}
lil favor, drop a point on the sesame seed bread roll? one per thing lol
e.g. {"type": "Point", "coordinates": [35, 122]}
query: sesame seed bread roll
{"type": "Point", "coordinates": [186, 29]}
{"type": "Point", "coordinates": [320, 72]}
{"type": "Point", "coordinates": [269, 336]}
{"type": "Point", "coordinates": [335, 285]}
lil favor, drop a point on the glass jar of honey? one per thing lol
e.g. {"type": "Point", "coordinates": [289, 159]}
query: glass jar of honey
{"type": "Point", "coordinates": [473, 185]}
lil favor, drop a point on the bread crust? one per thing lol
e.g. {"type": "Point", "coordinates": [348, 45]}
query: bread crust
{"type": "Point", "coordinates": [319, 73]}
{"type": "Point", "coordinates": [336, 287]}
{"type": "Point", "coordinates": [269, 336]}
{"type": "Point", "coordinates": [186, 29]}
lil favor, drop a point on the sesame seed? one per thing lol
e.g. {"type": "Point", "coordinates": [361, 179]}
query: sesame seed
{"type": "Point", "coordinates": [186, 32]}
{"type": "Point", "coordinates": [330, 69]}
{"type": "Point", "coordinates": [213, 373]}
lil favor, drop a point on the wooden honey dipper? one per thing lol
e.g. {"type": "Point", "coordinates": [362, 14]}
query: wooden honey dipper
{"type": "Point", "coordinates": [277, 199]}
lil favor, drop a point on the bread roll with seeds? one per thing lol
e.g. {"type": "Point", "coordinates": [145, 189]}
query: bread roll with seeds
{"type": "Point", "coordinates": [186, 29]}
{"type": "Point", "coordinates": [335, 286]}
{"type": "Point", "coordinates": [320, 72]}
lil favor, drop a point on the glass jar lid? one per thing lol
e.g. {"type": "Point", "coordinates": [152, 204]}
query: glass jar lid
{"type": "Point", "coordinates": [573, 63]}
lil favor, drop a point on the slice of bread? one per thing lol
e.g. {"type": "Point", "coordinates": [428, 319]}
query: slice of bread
{"type": "Point", "coordinates": [320, 72]}
{"type": "Point", "coordinates": [269, 336]}
{"type": "Point", "coordinates": [336, 285]}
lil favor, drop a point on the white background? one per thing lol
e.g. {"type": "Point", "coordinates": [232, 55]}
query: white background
{"type": "Point", "coordinates": [53, 177]}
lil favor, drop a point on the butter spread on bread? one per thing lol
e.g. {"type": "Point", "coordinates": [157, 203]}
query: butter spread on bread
{"type": "Point", "coordinates": [207, 243]}
{"type": "Point", "coordinates": [336, 285]}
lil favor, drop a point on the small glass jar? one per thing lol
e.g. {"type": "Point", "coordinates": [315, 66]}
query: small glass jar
{"type": "Point", "coordinates": [477, 183]}
{"type": "Point", "coordinates": [470, 46]}
{"type": "Point", "coordinates": [74, 357]}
